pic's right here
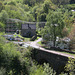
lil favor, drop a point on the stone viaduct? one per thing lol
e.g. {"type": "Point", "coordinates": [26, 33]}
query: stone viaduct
{"type": "Point", "coordinates": [56, 60]}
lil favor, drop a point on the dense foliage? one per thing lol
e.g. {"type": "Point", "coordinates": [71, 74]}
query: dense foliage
{"type": "Point", "coordinates": [31, 10]}
{"type": "Point", "coordinates": [14, 60]}
{"type": "Point", "coordinates": [70, 66]}
{"type": "Point", "coordinates": [11, 61]}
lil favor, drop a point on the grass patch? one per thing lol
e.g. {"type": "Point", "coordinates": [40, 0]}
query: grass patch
{"type": "Point", "coordinates": [26, 39]}
{"type": "Point", "coordinates": [38, 38]}
{"type": "Point", "coordinates": [73, 50]}
{"type": "Point", "coordinates": [42, 45]}
{"type": "Point", "coordinates": [68, 53]}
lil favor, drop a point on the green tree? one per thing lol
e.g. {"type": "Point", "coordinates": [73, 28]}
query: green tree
{"type": "Point", "coordinates": [2, 26]}
{"type": "Point", "coordinates": [37, 71]}
{"type": "Point", "coordinates": [42, 70]}
{"type": "Point", "coordinates": [39, 13]}
{"type": "Point", "coordinates": [1, 6]}
{"type": "Point", "coordinates": [2, 71]}
{"type": "Point", "coordinates": [11, 60]}
{"type": "Point", "coordinates": [29, 2]}
{"type": "Point", "coordinates": [47, 5]}
{"type": "Point", "coordinates": [70, 66]}
{"type": "Point", "coordinates": [42, 17]}
{"type": "Point", "coordinates": [54, 25]}
{"type": "Point", "coordinates": [11, 2]}
{"type": "Point", "coordinates": [3, 16]}
{"type": "Point", "coordinates": [34, 12]}
{"type": "Point", "coordinates": [68, 19]}
{"type": "Point", "coordinates": [61, 2]}
{"type": "Point", "coordinates": [48, 70]}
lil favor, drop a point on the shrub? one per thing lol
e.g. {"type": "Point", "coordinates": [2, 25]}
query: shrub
{"type": "Point", "coordinates": [1, 6]}
{"type": "Point", "coordinates": [2, 26]}
{"type": "Point", "coordinates": [65, 32]}
{"type": "Point", "coordinates": [2, 71]}
{"type": "Point", "coordinates": [48, 70]}
{"type": "Point", "coordinates": [43, 70]}
{"type": "Point", "coordinates": [72, 37]}
{"type": "Point", "coordinates": [15, 62]}
{"type": "Point", "coordinates": [70, 66]}
{"type": "Point", "coordinates": [11, 3]}
{"type": "Point", "coordinates": [12, 60]}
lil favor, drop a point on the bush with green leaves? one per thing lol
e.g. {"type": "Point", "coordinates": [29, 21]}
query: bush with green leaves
{"type": "Point", "coordinates": [70, 66]}
{"type": "Point", "coordinates": [2, 27]}
{"type": "Point", "coordinates": [12, 3]}
{"type": "Point", "coordinates": [3, 16]}
{"type": "Point", "coordinates": [16, 60]}
{"type": "Point", "coordinates": [1, 6]}
{"type": "Point", "coordinates": [42, 70]}
{"type": "Point", "coordinates": [9, 58]}
{"type": "Point", "coordinates": [13, 60]}
{"type": "Point", "coordinates": [2, 71]}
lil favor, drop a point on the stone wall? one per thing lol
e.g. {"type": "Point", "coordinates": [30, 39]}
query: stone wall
{"type": "Point", "coordinates": [57, 62]}
{"type": "Point", "coordinates": [28, 29]}
{"type": "Point", "coordinates": [28, 33]}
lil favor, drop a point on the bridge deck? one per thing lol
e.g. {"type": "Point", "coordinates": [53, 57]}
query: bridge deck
{"type": "Point", "coordinates": [55, 52]}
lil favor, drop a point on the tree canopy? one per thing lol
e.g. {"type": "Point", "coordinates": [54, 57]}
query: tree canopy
{"type": "Point", "coordinates": [54, 26]}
